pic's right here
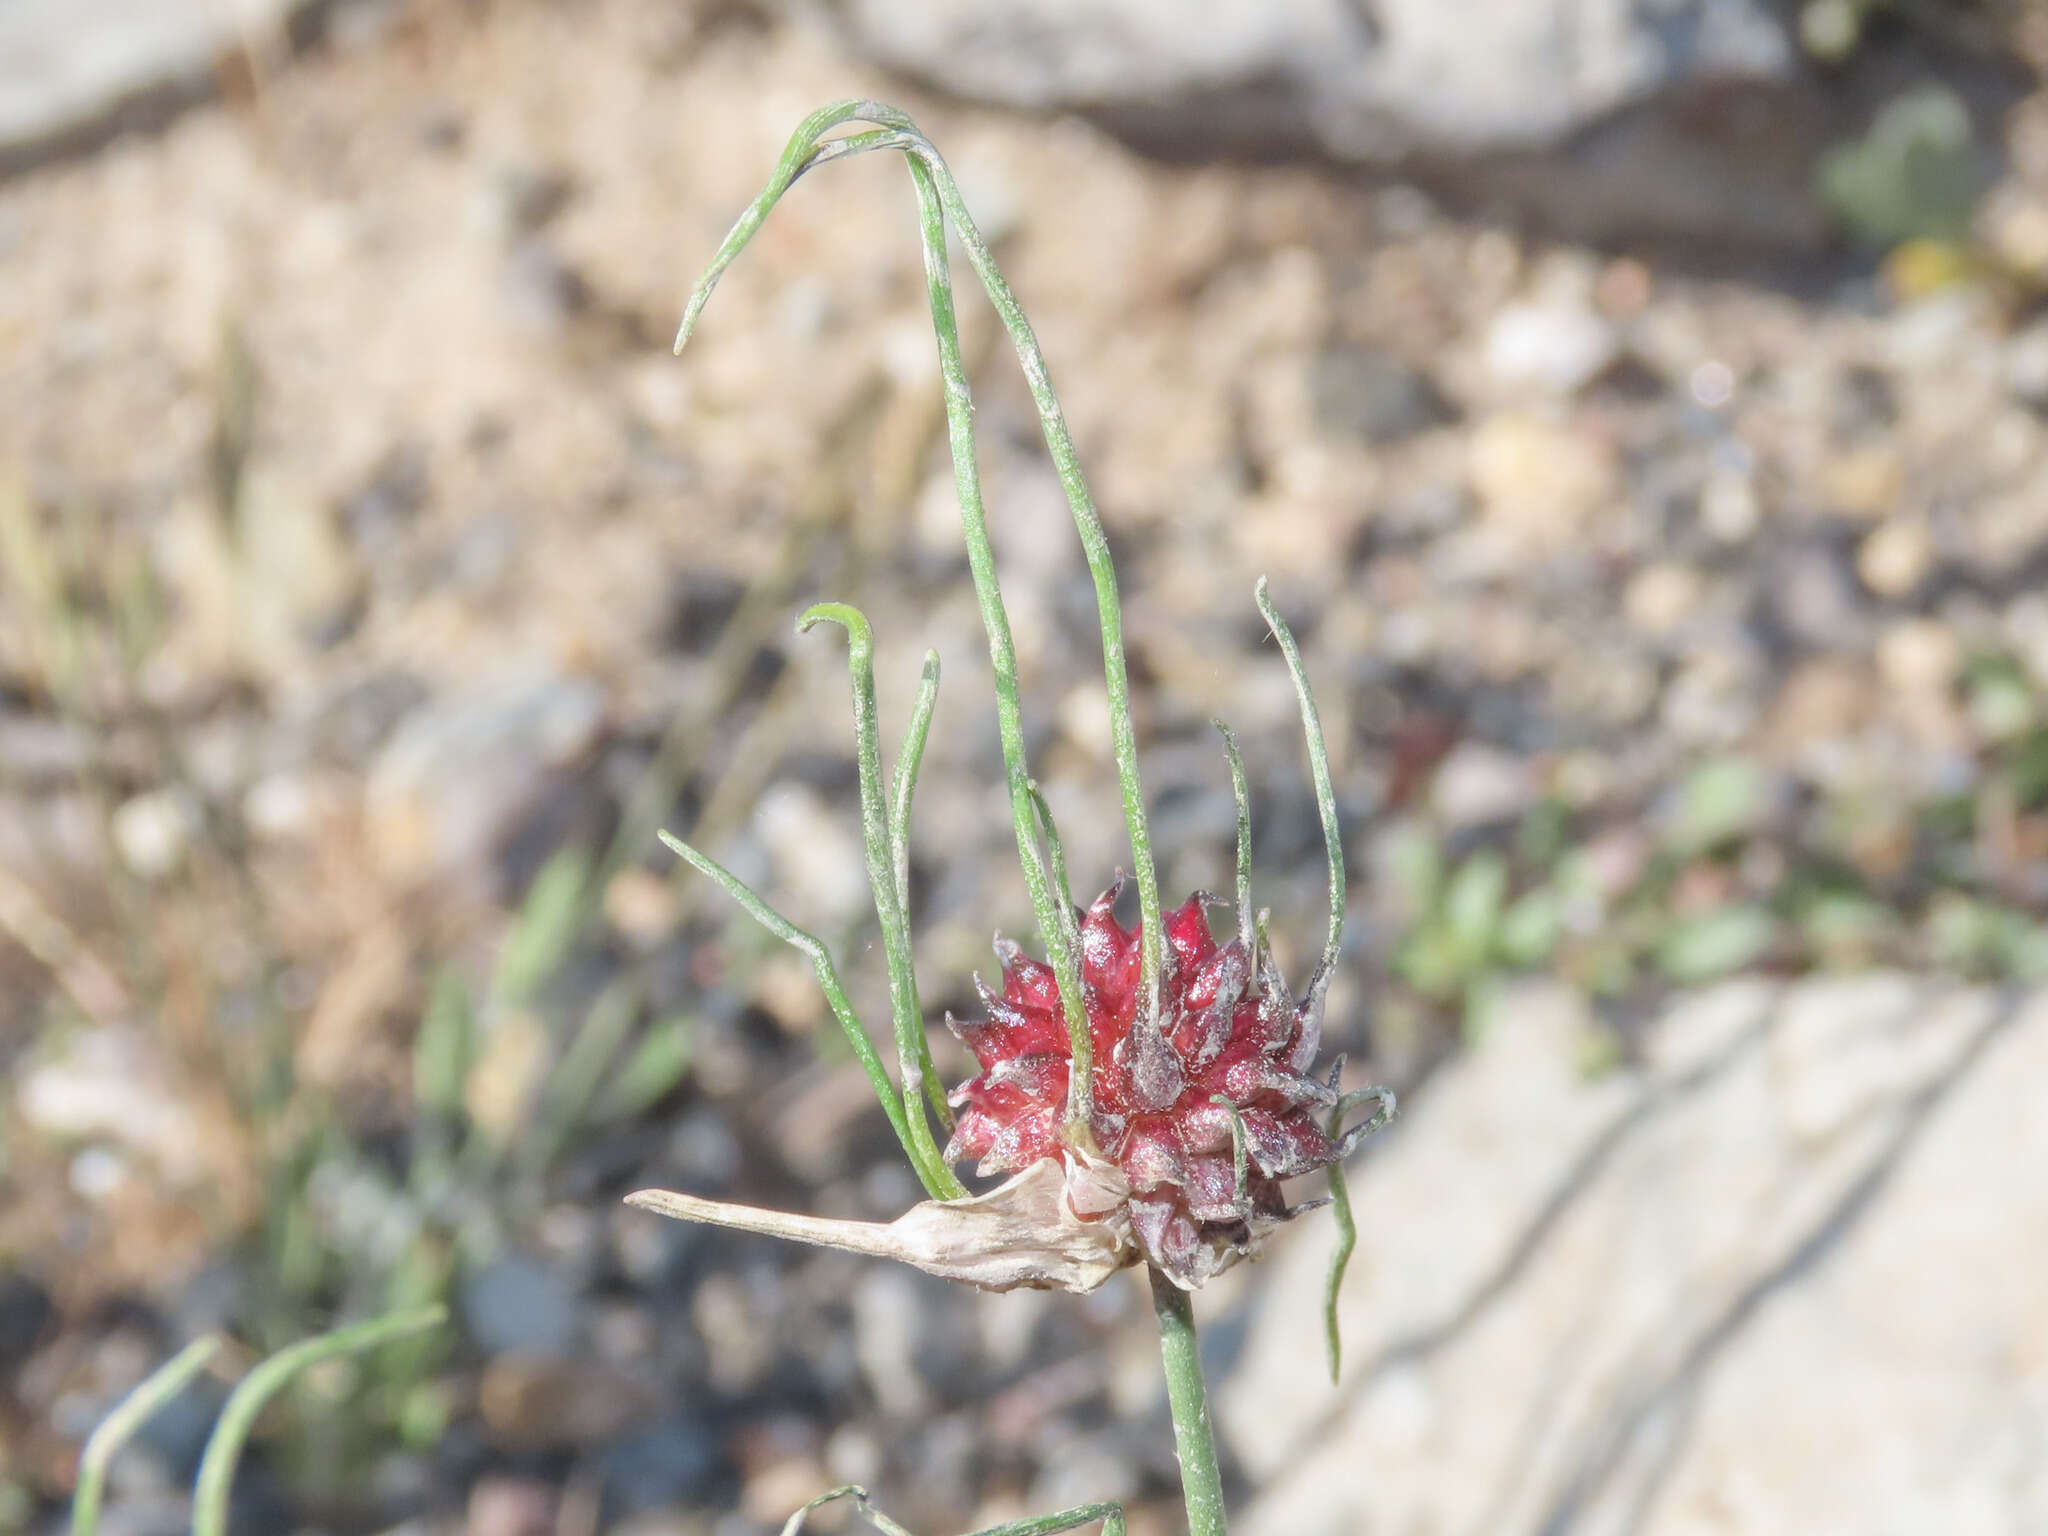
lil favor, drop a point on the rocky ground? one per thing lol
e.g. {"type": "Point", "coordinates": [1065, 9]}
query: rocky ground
{"type": "Point", "coordinates": [375, 583]}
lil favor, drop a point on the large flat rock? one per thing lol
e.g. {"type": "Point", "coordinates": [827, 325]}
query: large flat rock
{"type": "Point", "coordinates": [1787, 1276]}
{"type": "Point", "coordinates": [73, 70]}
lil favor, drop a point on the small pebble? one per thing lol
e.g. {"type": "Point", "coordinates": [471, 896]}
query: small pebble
{"type": "Point", "coordinates": [1478, 784]}
{"type": "Point", "coordinates": [1555, 346]}
{"type": "Point", "coordinates": [152, 832]}
{"type": "Point", "coordinates": [518, 1305]}
{"type": "Point", "coordinates": [1660, 597]}
{"type": "Point", "coordinates": [1729, 509]}
{"type": "Point", "coordinates": [643, 906]}
{"type": "Point", "coordinates": [1919, 657]}
{"type": "Point", "coordinates": [1896, 557]}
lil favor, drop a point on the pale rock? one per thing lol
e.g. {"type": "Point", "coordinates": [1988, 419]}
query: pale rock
{"type": "Point", "coordinates": [2026, 364]}
{"type": "Point", "coordinates": [1896, 557]}
{"type": "Point", "coordinates": [1713, 699]}
{"type": "Point", "coordinates": [66, 65]}
{"type": "Point", "coordinates": [779, 1489]}
{"type": "Point", "coordinates": [1939, 328]}
{"type": "Point", "coordinates": [1085, 721]}
{"type": "Point", "coordinates": [643, 906]}
{"type": "Point", "coordinates": [787, 987]}
{"type": "Point", "coordinates": [501, 1505]}
{"type": "Point", "coordinates": [1542, 484]}
{"type": "Point", "coordinates": [1803, 1235]}
{"type": "Point", "coordinates": [887, 1304]}
{"type": "Point", "coordinates": [1865, 481]}
{"type": "Point", "coordinates": [1581, 105]}
{"type": "Point", "coordinates": [111, 1084]}
{"type": "Point", "coordinates": [816, 851]}
{"type": "Point", "coordinates": [462, 768]}
{"type": "Point", "coordinates": [1660, 597]}
{"type": "Point", "coordinates": [1920, 658]}
{"type": "Point", "coordinates": [1823, 701]}
{"type": "Point", "coordinates": [1729, 509]}
{"type": "Point", "coordinates": [1558, 347]}
{"type": "Point", "coordinates": [153, 830]}
{"type": "Point", "coordinates": [285, 806]}
{"type": "Point", "coordinates": [1478, 784]}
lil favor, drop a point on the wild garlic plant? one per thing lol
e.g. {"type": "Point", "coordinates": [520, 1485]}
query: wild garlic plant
{"type": "Point", "coordinates": [1142, 1091]}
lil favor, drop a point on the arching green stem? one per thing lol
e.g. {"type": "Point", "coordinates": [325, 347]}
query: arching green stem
{"type": "Point", "coordinates": [912, 1051]}
{"type": "Point", "coordinates": [119, 1427]}
{"type": "Point", "coordinates": [224, 1450]}
{"type": "Point", "coordinates": [1242, 795]}
{"type": "Point", "coordinates": [803, 154]}
{"type": "Point", "coordinates": [1319, 769]}
{"type": "Point", "coordinates": [1340, 1204]}
{"type": "Point", "coordinates": [940, 200]}
{"type": "Point", "coordinates": [1087, 522]}
{"type": "Point", "coordinates": [903, 788]}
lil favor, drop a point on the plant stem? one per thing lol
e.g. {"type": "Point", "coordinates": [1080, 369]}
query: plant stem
{"type": "Point", "coordinates": [912, 1052]}
{"type": "Point", "coordinates": [904, 788]}
{"type": "Point", "coordinates": [1087, 523]}
{"type": "Point", "coordinates": [805, 152]}
{"type": "Point", "coordinates": [1002, 652]}
{"type": "Point", "coordinates": [216, 1479]}
{"type": "Point", "coordinates": [119, 1427]}
{"type": "Point", "coordinates": [1245, 932]}
{"type": "Point", "coordinates": [1319, 771]}
{"type": "Point", "coordinates": [1194, 1438]}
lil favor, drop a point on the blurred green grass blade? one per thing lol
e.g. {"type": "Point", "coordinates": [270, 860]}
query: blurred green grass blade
{"type": "Point", "coordinates": [1474, 898]}
{"type": "Point", "coordinates": [1720, 801]}
{"type": "Point", "coordinates": [210, 1494]}
{"type": "Point", "coordinates": [443, 1047]}
{"type": "Point", "coordinates": [547, 926]}
{"type": "Point", "coordinates": [1530, 927]}
{"type": "Point", "coordinates": [650, 1072]}
{"type": "Point", "coordinates": [1716, 943]}
{"type": "Point", "coordinates": [119, 1427]}
{"type": "Point", "coordinates": [570, 1088]}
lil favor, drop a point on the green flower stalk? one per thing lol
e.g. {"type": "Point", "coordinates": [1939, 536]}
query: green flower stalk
{"type": "Point", "coordinates": [1144, 1092]}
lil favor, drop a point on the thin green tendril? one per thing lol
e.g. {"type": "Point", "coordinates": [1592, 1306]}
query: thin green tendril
{"type": "Point", "coordinates": [902, 789]}
{"type": "Point", "coordinates": [913, 1052]}
{"type": "Point", "coordinates": [1340, 1202]}
{"type": "Point", "coordinates": [119, 1427]}
{"type": "Point", "coordinates": [1242, 796]}
{"type": "Point", "coordinates": [224, 1450]}
{"type": "Point", "coordinates": [1319, 769]}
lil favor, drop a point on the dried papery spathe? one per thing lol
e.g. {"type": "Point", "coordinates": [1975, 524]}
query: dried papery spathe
{"type": "Point", "coordinates": [1059, 1225]}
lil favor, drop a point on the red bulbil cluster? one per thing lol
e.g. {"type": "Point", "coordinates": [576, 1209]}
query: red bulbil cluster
{"type": "Point", "coordinates": [1226, 1045]}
